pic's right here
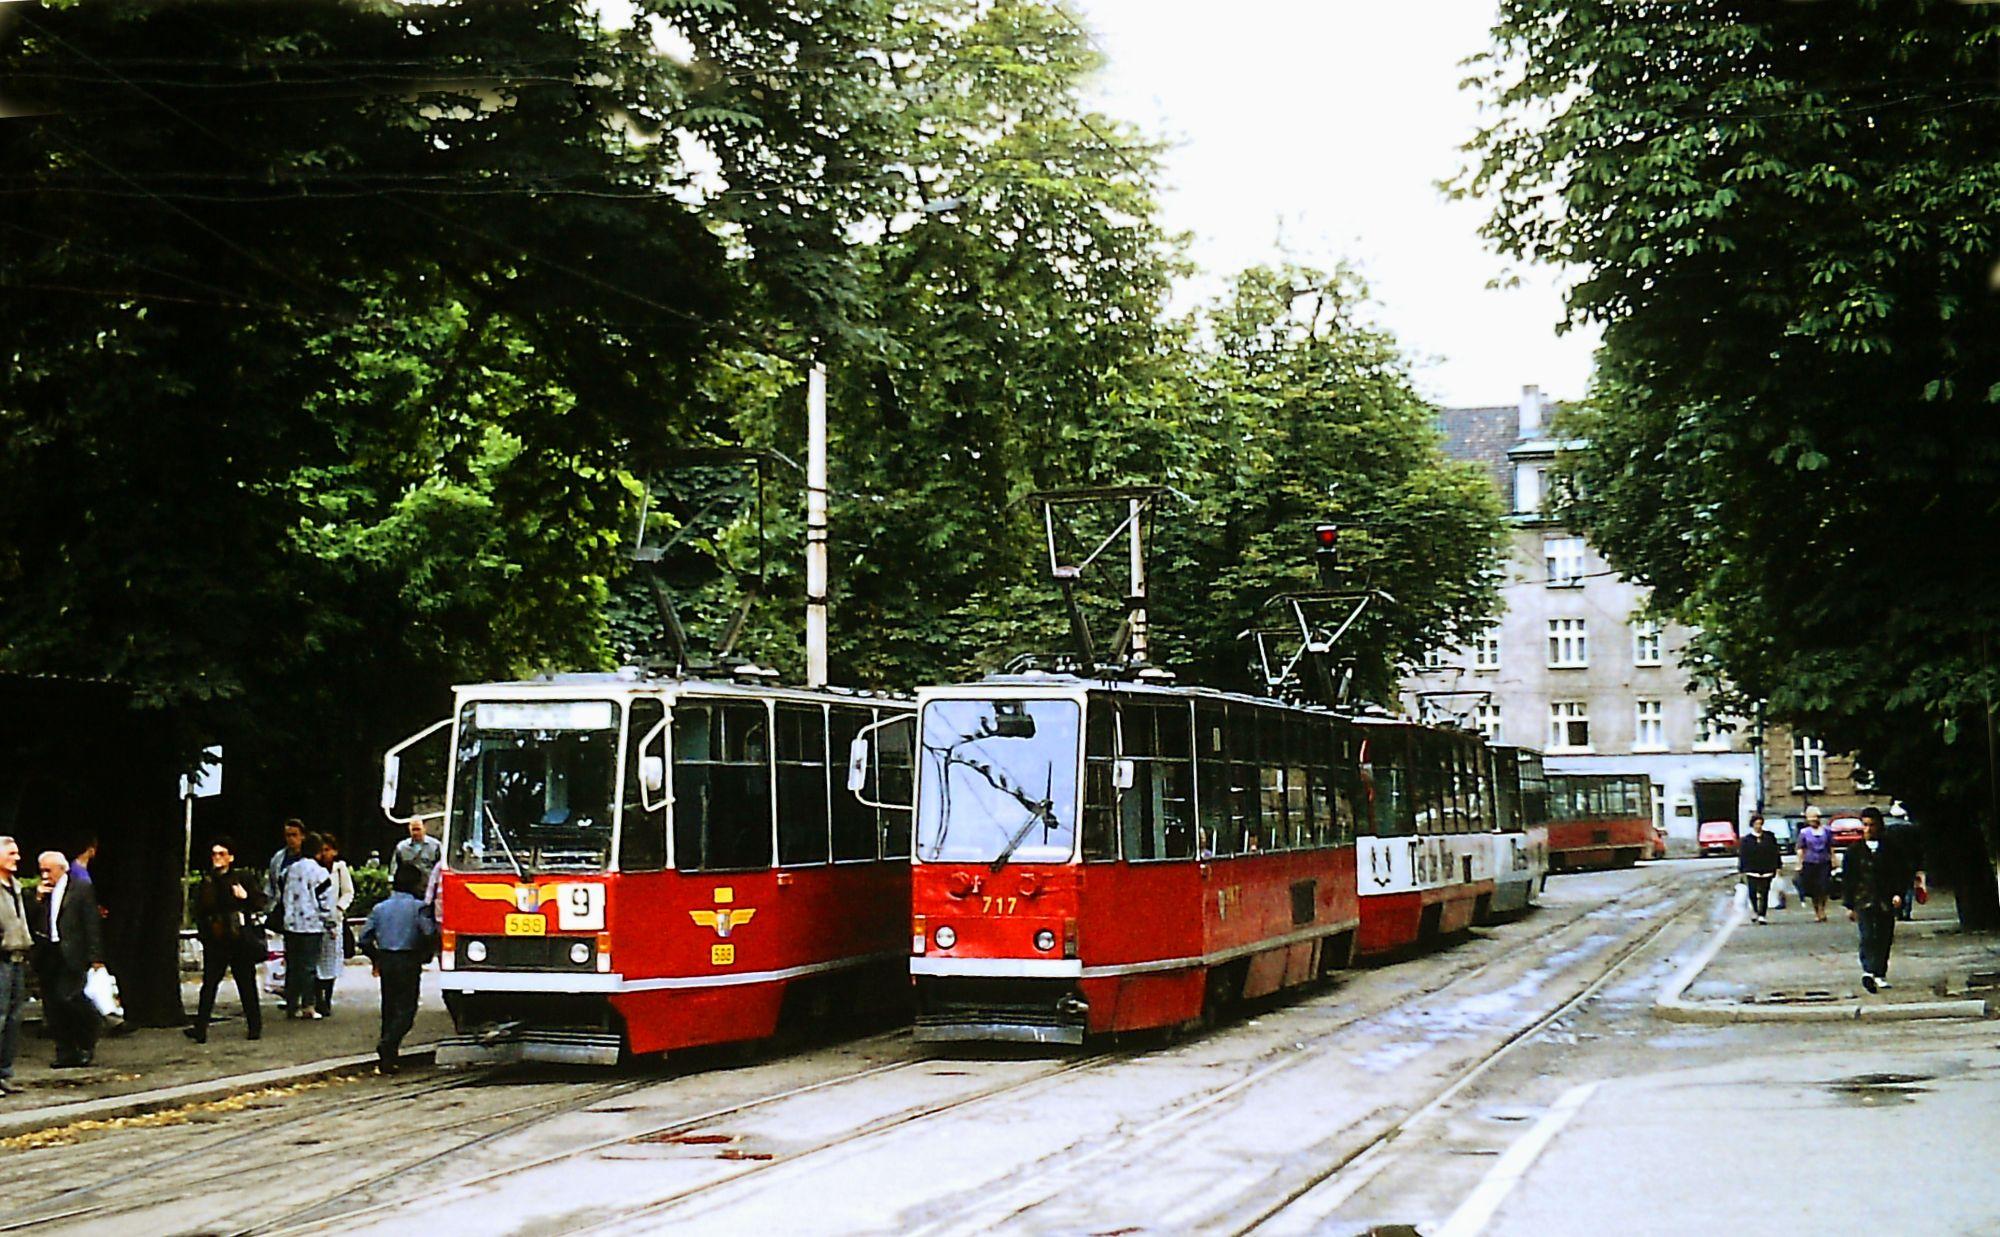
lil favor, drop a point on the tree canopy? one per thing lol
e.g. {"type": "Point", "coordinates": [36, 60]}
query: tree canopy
{"type": "Point", "coordinates": [1782, 217]}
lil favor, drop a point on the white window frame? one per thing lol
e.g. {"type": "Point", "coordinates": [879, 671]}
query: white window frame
{"type": "Point", "coordinates": [1563, 561]}
{"type": "Point", "coordinates": [1709, 736]}
{"type": "Point", "coordinates": [1648, 639]}
{"type": "Point", "coordinates": [1649, 725]}
{"type": "Point", "coordinates": [1569, 644]}
{"type": "Point", "coordinates": [1528, 489]}
{"type": "Point", "coordinates": [1486, 719]}
{"type": "Point", "coordinates": [1437, 659]}
{"type": "Point", "coordinates": [1808, 764]}
{"type": "Point", "coordinates": [1486, 650]}
{"type": "Point", "coordinates": [1563, 715]}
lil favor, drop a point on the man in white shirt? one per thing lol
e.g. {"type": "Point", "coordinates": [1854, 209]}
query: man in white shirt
{"type": "Point", "coordinates": [69, 948]}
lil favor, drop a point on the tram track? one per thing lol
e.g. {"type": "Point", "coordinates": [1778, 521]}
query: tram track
{"type": "Point", "coordinates": [1319, 1194]}
{"type": "Point", "coordinates": [1064, 1169]}
{"type": "Point", "coordinates": [363, 1133]}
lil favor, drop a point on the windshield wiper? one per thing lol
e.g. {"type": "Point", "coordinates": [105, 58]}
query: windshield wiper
{"type": "Point", "coordinates": [520, 872]}
{"type": "Point", "coordinates": [1040, 811]}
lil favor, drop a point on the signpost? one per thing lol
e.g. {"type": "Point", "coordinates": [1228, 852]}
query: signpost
{"type": "Point", "coordinates": [206, 783]}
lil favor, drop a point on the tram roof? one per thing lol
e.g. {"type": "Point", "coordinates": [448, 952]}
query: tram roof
{"type": "Point", "coordinates": [1066, 684]}
{"type": "Point", "coordinates": [633, 680]}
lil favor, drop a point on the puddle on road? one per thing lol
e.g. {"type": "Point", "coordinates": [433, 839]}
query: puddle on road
{"type": "Point", "coordinates": [1869, 1090]}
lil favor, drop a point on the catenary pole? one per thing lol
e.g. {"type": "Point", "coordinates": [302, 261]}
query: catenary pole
{"type": "Point", "coordinates": [816, 527]}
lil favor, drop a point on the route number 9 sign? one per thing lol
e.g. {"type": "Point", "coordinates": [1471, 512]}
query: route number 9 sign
{"type": "Point", "coordinates": [580, 908]}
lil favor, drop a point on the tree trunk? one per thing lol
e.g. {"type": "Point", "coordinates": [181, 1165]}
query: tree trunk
{"type": "Point", "coordinates": [1973, 879]}
{"type": "Point", "coordinates": [142, 890]}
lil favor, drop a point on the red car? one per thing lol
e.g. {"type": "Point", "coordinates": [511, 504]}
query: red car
{"type": "Point", "coordinates": [1659, 841]}
{"type": "Point", "coordinates": [1716, 837]}
{"type": "Point", "coordinates": [1847, 830]}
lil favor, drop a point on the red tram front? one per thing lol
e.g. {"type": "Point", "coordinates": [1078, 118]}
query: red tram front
{"type": "Point", "coordinates": [1599, 820]}
{"type": "Point", "coordinates": [639, 864]}
{"type": "Point", "coordinates": [1103, 856]}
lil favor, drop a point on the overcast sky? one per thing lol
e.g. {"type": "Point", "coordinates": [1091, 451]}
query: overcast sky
{"type": "Point", "coordinates": [1318, 129]}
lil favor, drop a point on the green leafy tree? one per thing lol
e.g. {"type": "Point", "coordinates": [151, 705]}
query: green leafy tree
{"type": "Point", "coordinates": [1782, 217]}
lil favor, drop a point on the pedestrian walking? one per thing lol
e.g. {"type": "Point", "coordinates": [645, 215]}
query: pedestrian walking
{"type": "Point", "coordinates": [1758, 860]}
{"type": "Point", "coordinates": [1815, 862]}
{"type": "Point", "coordinates": [306, 908]}
{"type": "Point", "coordinates": [1875, 873]}
{"type": "Point", "coordinates": [86, 854]}
{"type": "Point", "coordinates": [284, 857]}
{"type": "Point", "coordinates": [228, 923]}
{"type": "Point", "coordinates": [418, 850]}
{"type": "Point", "coordinates": [68, 947]}
{"type": "Point", "coordinates": [16, 942]}
{"type": "Point", "coordinates": [398, 939]}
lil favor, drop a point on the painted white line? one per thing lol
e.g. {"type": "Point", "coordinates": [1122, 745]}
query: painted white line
{"type": "Point", "coordinates": [1477, 1210]}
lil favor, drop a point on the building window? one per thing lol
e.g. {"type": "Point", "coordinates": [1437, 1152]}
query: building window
{"type": "Point", "coordinates": [1436, 659]}
{"type": "Point", "coordinates": [1486, 718]}
{"type": "Point", "coordinates": [1569, 644]}
{"type": "Point", "coordinates": [1486, 650]}
{"type": "Point", "coordinates": [1569, 726]}
{"type": "Point", "coordinates": [1527, 489]}
{"type": "Point", "coordinates": [1649, 730]}
{"type": "Point", "coordinates": [1564, 559]}
{"type": "Point", "coordinates": [1645, 642]}
{"type": "Point", "coordinates": [1808, 764]}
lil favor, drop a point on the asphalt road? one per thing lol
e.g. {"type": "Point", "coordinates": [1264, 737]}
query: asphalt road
{"type": "Point", "coordinates": [1516, 1083]}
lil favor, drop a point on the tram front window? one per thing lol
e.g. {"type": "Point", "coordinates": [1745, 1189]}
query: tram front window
{"type": "Point", "coordinates": [998, 782]}
{"type": "Point", "coordinates": [535, 785]}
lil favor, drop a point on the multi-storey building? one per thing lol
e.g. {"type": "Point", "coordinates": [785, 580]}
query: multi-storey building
{"type": "Point", "coordinates": [1574, 665]}
{"type": "Point", "coordinates": [1799, 773]}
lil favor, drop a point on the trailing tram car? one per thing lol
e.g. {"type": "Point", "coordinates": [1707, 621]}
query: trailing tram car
{"type": "Point", "coordinates": [1599, 820]}
{"type": "Point", "coordinates": [1521, 835]}
{"type": "Point", "coordinates": [1104, 855]}
{"type": "Point", "coordinates": [640, 863]}
{"type": "Point", "coordinates": [1427, 868]}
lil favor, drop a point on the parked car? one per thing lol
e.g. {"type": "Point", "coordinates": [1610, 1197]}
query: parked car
{"type": "Point", "coordinates": [1716, 837]}
{"type": "Point", "coordinates": [1847, 830]}
{"type": "Point", "coordinates": [1659, 840]}
{"type": "Point", "coordinates": [1786, 830]}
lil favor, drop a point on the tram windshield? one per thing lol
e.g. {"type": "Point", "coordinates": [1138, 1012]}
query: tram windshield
{"type": "Point", "coordinates": [534, 785]}
{"type": "Point", "coordinates": [998, 781]}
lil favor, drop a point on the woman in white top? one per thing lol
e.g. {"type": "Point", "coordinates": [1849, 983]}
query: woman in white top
{"type": "Point", "coordinates": [331, 954]}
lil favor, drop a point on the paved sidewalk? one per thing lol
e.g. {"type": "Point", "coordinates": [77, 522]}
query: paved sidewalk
{"type": "Point", "coordinates": [133, 1066]}
{"type": "Point", "coordinates": [1794, 966]}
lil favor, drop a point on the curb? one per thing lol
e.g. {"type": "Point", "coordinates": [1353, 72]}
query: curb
{"type": "Point", "coordinates": [1671, 1005]}
{"type": "Point", "coordinates": [32, 1120]}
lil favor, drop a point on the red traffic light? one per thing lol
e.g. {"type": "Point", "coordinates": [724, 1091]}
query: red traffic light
{"type": "Point", "coordinates": [1327, 535]}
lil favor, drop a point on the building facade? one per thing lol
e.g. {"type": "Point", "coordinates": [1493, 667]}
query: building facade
{"type": "Point", "coordinates": [1574, 666]}
{"type": "Point", "coordinates": [1799, 773]}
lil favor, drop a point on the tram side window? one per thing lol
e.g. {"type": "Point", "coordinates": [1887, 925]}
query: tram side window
{"type": "Point", "coordinates": [1213, 780]}
{"type": "Point", "coordinates": [1100, 794]}
{"type": "Point", "coordinates": [895, 769]}
{"type": "Point", "coordinates": [1239, 737]}
{"type": "Point", "coordinates": [853, 820]}
{"type": "Point", "coordinates": [1157, 814]}
{"type": "Point", "coordinates": [722, 787]}
{"type": "Point", "coordinates": [1274, 831]}
{"type": "Point", "coordinates": [802, 784]}
{"type": "Point", "coordinates": [642, 838]}
{"type": "Point", "coordinates": [1394, 810]}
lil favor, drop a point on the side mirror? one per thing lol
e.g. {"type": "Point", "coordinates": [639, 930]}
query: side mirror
{"type": "Point", "coordinates": [857, 764]}
{"type": "Point", "coordinates": [1124, 774]}
{"type": "Point", "coordinates": [653, 774]}
{"type": "Point", "coordinates": [392, 775]}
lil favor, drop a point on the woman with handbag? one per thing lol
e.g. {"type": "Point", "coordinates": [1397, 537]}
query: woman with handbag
{"type": "Point", "coordinates": [226, 921]}
{"type": "Point", "coordinates": [333, 947]}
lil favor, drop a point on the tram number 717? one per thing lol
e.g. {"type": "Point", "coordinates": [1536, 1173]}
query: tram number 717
{"type": "Point", "coordinates": [999, 906]}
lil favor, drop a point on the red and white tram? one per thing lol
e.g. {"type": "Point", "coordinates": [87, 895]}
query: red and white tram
{"type": "Point", "coordinates": [1521, 837]}
{"type": "Point", "coordinates": [1097, 855]}
{"type": "Point", "coordinates": [637, 864]}
{"type": "Point", "coordinates": [1427, 870]}
{"type": "Point", "coordinates": [1599, 820]}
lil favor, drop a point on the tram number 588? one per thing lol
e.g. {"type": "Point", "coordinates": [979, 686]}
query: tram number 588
{"type": "Point", "coordinates": [580, 908]}
{"type": "Point", "coordinates": [999, 906]}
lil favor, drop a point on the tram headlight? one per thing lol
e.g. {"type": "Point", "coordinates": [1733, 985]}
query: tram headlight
{"type": "Point", "coordinates": [947, 936]}
{"type": "Point", "coordinates": [475, 951]}
{"type": "Point", "coordinates": [1045, 940]}
{"type": "Point", "coordinates": [579, 952]}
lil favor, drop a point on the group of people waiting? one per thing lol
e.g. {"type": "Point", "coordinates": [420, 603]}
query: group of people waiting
{"type": "Point", "coordinates": [303, 893]}
{"type": "Point", "coordinates": [1881, 881]}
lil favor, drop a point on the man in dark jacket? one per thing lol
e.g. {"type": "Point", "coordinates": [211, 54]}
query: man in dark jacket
{"type": "Point", "coordinates": [231, 931]}
{"type": "Point", "coordinates": [68, 948]}
{"type": "Point", "coordinates": [1874, 876]}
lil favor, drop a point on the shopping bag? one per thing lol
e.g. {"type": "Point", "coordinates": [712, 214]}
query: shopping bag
{"type": "Point", "coordinates": [274, 973]}
{"type": "Point", "coordinates": [102, 991]}
{"type": "Point", "coordinates": [1778, 893]}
